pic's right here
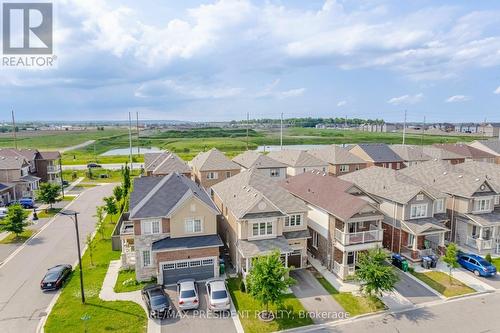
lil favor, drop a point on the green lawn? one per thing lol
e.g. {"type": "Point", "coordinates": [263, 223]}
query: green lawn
{"type": "Point", "coordinates": [12, 238]}
{"type": "Point", "coordinates": [354, 305]}
{"type": "Point", "coordinates": [67, 198]}
{"type": "Point", "coordinates": [440, 282]}
{"type": "Point", "coordinates": [496, 262]}
{"type": "Point", "coordinates": [49, 213]}
{"type": "Point", "coordinates": [117, 316]}
{"type": "Point", "coordinates": [113, 176]}
{"type": "Point", "coordinates": [126, 282]}
{"type": "Point", "coordinates": [249, 308]}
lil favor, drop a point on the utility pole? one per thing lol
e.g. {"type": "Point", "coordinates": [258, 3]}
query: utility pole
{"type": "Point", "coordinates": [138, 140]}
{"type": "Point", "coordinates": [422, 136]}
{"type": "Point", "coordinates": [281, 132]}
{"type": "Point", "coordinates": [345, 121]}
{"type": "Point", "coordinates": [130, 138]}
{"type": "Point", "coordinates": [404, 129]}
{"type": "Point", "coordinates": [14, 129]}
{"type": "Point", "coordinates": [248, 124]}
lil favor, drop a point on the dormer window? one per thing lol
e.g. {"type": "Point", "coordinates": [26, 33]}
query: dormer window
{"type": "Point", "coordinates": [497, 200]}
{"type": "Point", "coordinates": [420, 197]}
{"type": "Point", "coordinates": [293, 220]}
{"type": "Point", "coordinates": [274, 172]}
{"type": "Point", "coordinates": [418, 211]}
{"type": "Point", "coordinates": [482, 205]}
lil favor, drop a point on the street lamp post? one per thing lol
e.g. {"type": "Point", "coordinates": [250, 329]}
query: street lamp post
{"type": "Point", "coordinates": [74, 214]}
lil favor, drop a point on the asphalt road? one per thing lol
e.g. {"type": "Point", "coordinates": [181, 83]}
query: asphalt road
{"type": "Point", "coordinates": [22, 304]}
{"type": "Point", "coordinates": [109, 166]}
{"type": "Point", "coordinates": [465, 315]}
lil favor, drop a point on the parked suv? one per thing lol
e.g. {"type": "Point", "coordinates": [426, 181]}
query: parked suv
{"type": "Point", "coordinates": [27, 202]}
{"type": "Point", "coordinates": [477, 264]}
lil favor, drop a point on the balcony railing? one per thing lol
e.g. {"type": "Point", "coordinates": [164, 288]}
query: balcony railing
{"type": "Point", "coordinates": [479, 244]}
{"type": "Point", "coordinates": [53, 168]}
{"type": "Point", "coordinates": [342, 270]}
{"type": "Point", "coordinates": [358, 237]}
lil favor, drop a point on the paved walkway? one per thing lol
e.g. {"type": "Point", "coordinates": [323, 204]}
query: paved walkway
{"type": "Point", "coordinates": [107, 293]}
{"type": "Point", "coordinates": [315, 299]}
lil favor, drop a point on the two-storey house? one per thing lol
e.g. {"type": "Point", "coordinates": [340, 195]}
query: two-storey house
{"type": "Point", "coordinates": [212, 167]}
{"type": "Point", "coordinates": [473, 205]}
{"type": "Point", "coordinates": [441, 154]}
{"type": "Point", "coordinates": [262, 164]}
{"type": "Point", "coordinates": [258, 217]}
{"type": "Point", "coordinates": [175, 230]}
{"type": "Point", "coordinates": [340, 160]}
{"type": "Point", "coordinates": [491, 146]}
{"type": "Point", "coordinates": [378, 154]}
{"type": "Point", "coordinates": [298, 161]}
{"type": "Point", "coordinates": [164, 163]}
{"type": "Point", "coordinates": [415, 220]}
{"type": "Point", "coordinates": [15, 171]}
{"type": "Point", "coordinates": [45, 165]}
{"type": "Point", "coordinates": [343, 220]}
{"type": "Point", "coordinates": [470, 153]}
{"type": "Point", "coordinates": [411, 155]}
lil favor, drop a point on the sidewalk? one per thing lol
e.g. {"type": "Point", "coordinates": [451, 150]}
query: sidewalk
{"type": "Point", "coordinates": [108, 294]}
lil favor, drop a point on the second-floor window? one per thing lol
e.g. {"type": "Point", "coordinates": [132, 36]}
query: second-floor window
{"type": "Point", "coordinates": [293, 220]}
{"type": "Point", "coordinates": [150, 227]}
{"type": "Point", "coordinates": [274, 172]}
{"type": "Point", "coordinates": [344, 168]}
{"type": "Point", "coordinates": [439, 206]}
{"type": "Point", "coordinates": [212, 175]}
{"type": "Point", "coordinates": [262, 229]}
{"type": "Point", "coordinates": [417, 211]}
{"type": "Point", "coordinates": [228, 174]}
{"type": "Point", "coordinates": [193, 225]}
{"type": "Point", "coordinates": [482, 205]}
{"type": "Point", "coordinates": [497, 200]}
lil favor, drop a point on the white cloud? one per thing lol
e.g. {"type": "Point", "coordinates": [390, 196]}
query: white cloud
{"type": "Point", "coordinates": [270, 91]}
{"type": "Point", "coordinates": [457, 98]}
{"type": "Point", "coordinates": [406, 99]}
{"type": "Point", "coordinates": [341, 104]}
{"type": "Point", "coordinates": [163, 88]}
{"type": "Point", "coordinates": [497, 91]}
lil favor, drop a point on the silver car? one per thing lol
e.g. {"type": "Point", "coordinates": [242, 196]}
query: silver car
{"type": "Point", "coordinates": [188, 294]}
{"type": "Point", "coordinates": [218, 296]}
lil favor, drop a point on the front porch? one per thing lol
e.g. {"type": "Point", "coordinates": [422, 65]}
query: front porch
{"type": "Point", "coordinates": [418, 246]}
{"type": "Point", "coordinates": [479, 233]}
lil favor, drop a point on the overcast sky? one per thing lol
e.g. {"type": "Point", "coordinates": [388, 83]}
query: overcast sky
{"type": "Point", "coordinates": [217, 60]}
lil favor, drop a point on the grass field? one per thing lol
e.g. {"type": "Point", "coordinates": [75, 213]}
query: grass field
{"type": "Point", "coordinates": [12, 238]}
{"type": "Point", "coordinates": [113, 176]}
{"type": "Point", "coordinates": [126, 282]}
{"type": "Point", "coordinates": [440, 282]}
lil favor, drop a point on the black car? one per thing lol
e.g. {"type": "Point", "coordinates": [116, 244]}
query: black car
{"type": "Point", "coordinates": [55, 277]}
{"type": "Point", "coordinates": [157, 301]}
{"type": "Point", "coordinates": [65, 183]}
{"type": "Point", "coordinates": [93, 165]}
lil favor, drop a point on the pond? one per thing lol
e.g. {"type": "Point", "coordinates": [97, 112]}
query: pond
{"type": "Point", "coordinates": [290, 147]}
{"type": "Point", "coordinates": [126, 151]}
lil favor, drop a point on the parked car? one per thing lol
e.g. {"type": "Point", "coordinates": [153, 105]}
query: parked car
{"type": "Point", "coordinates": [94, 165]}
{"type": "Point", "coordinates": [55, 277]}
{"type": "Point", "coordinates": [477, 264]}
{"type": "Point", "coordinates": [157, 301]}
{"type": "Point", "coordinates": [3, 212]}
{"type": "Point", "coordinates": [218, 296]}
{"type": "Point", "coordinates": [27, 202]}
{"type": "Point", "coordinates": [188, 294]}
{"type": "Point", "coordinates": [65, 183]}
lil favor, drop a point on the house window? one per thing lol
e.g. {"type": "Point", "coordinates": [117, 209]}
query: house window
{"type": "Point", "coordinates": [193, 225]}
{"type": "Point", "coordinates": [351, 258]}
{"type": "Point", "coordinates": [274, 172]}
{"type": "Point", "coordinates": [212, 175]}
{"type": "Point", "coordinates": [482, 205]}
{"type": "Point", "coordinates": [293, 220]}
{"type": "Point", "coordinates": [497, 200]}
{"type": "Point", "coordinates": [228, 174]}
{"type": "Point", "coordinates": [357, 167]}
{"type": "Point", "coordinates": [146, 258]}
{"type": "Point", "coordinates": [398, 166]}
{"type": "Point", "coordinates": [262, 229]}
{"type": "Point", "coordinates": [417, 211]}
{"type": "Point", "coordinates": [315, 239]}
{"type": "Point", "coordinates": [150, 227]}
{"type": "Point", "coordinates": [411, 239]}
{"type": "Point", "coordinates": [439, 206]}
{"type": "Point", "coordinates": [420, 197]}
{"type": "Point", "coordinates": [324, 169]}
{"type": "Point", "coordinates": [344, 168]}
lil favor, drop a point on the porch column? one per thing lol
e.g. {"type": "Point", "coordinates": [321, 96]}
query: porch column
{"type": "Point", "coordinates": [286, 259]}
{"type": "Point", "coordinates": [415, 242]}
{"type": "Point", "coordinates": [441, 239]}
{"type": "Point", "coordinates": [247, 265]}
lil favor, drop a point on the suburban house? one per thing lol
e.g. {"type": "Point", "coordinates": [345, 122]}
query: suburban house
{"type": "Point", "coordinates": [491, 146]}
{"type": "Point", "coordinates": [378, 154]}
{"type": "Point", "coordinates": [490, 130]}
{"type": "Point", "coordinates": [258, 217]}
{"type": "Point", "coordinates": [298, 161]}
{"type": "Point", "coordinates": [415, 215]}
{"type": "Point", "coordinates": [441, 154]}
{"type": "Point", "coordinates": [174, 230]}
{"type": "Point", "coordinates": [43, 164]}
{"type": "Point", "coordinates": [470, 153]}
{"type": "Point", "coordinates": [474, 204]}
{"type": "Point", "coordinates": [340, 160]}
{"type": "Point", "coordinates": [7, 193]}
{"type": "Point", "coordinates": [14, 171]}
{"type": "Point", "coordinates": [164, 163]}
{"type": "Point", "coordinates": [212, 167]}
{"type": "Point", "coordinates": [342, 220]}
{"type": "Point", "coordinates": [261, 164]}
{"type": "Point", "coordinates": [412, 155]}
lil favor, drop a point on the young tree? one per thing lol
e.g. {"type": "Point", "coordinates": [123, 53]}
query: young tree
{"type": "Point", "coordinates": [374, 274]}
{"type": "Point", "coordinates": [100, 220]}
{"type": "Point", "coordinates": [450, 258]}
{"type": "Point", "coordinates": [15, 221]}
{"type": "Point", "coordinates": [110, 207]}
{"type": "Point", "coordinates": [118, 193]}
{"type": "Point", "coordinates": [48, 193]}
{"type": "Point", "coordinates": [268, 280]}
{"type": "Point", "coordinates": [90, 248]}
{"type": "Point", "coordinates": [126, 180]}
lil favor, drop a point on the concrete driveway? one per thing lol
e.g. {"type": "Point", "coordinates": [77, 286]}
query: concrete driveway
{"type": "Point", "coordinates": [491, 281]}
{"type": "Point", "coordinates": [414, 291]}
{"type": "Point", "coordinates": [315, 299]}
{"type": "Point", "coordinates": [200, 320]}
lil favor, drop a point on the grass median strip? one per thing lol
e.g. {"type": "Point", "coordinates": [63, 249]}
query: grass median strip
{"type": "Point", "coordinates": [51, 212]}
{"type": "Point", "coordinates": [354, 305]}
{"type": "Point", "coordinates": [12, 238]}
{"type": "Point", "coordinates": [117, 316]}
{"type": "Point", "coordinates": [248, 309]}
{"type": "Point", "coordinates": [441, 282]}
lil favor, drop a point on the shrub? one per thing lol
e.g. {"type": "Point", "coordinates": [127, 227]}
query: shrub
{"type": "Point", "coordinates": [243, 288]}
{"type": "Point", "coordinates": [488, 258]}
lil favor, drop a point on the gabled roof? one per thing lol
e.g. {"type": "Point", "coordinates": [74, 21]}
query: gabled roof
{"type": "Point", "coordinates": [158, 196]}
{"type": "Point", "coordinates": [164, 163]}
{"type": "Point", "coordinates": [493, 144]}
{"type": "Point", "coordinates": [441, 154]}
{"type": "Point", "coordinates": [411, 153]}
{"type": "Point", "coordinates": [465, 150]}
{"type": "Point", "coordinates": [50, 155]}
{"type": "Point", "coordinates": [213, 160]}
{"type": "Point", "coordinates": [245, 190]}
{"type": "Point", "coordinates": [326, 192]}
{"type": "Point", "coordinates": [379, 152]}
{"type": "Point", "coordinates": [253, 159]}
{"type": "Point", "coordinates": [28, 154]}
{"type": "Point", "coordinates": [336, 155]}
{"type": "Point", "coordinates": [296, 158]}
{"type": "Point", "coordinates": [12, 163]}
{"type": "Point", "coordinates": [490, 171]}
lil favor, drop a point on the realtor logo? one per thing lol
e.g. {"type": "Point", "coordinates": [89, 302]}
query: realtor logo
{"type": "Point", "coordinates": [27, 28]}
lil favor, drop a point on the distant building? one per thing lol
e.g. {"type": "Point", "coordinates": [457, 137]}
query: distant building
{"type": "Point", "coordinates": [491, 130]}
